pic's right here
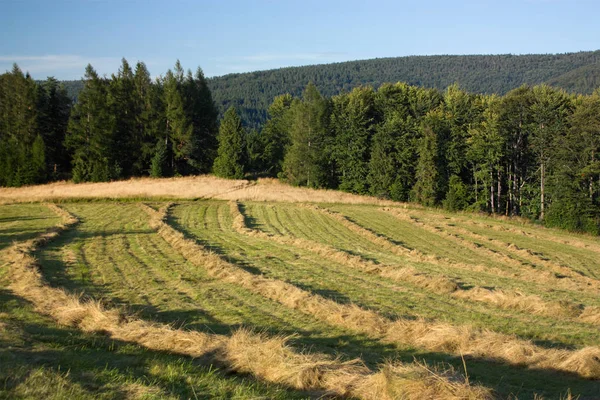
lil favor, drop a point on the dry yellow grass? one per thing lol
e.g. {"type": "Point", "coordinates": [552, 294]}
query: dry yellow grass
{"type": "Point", "coordinates": [190, 187]}
{"type": "Point", "coordinates": [447, 338]}
{"type": "Point", "coordinates": [268, 358]}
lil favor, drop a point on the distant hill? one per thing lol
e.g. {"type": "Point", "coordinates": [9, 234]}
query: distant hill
{"type": "Point", "coordinates": [253, 92]}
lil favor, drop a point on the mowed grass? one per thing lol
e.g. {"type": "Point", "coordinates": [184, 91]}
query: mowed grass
{"type": "Point", "coordinates": [42, 360]}
{"type": "Point", "coordinates": [412, 236]}
{"type": "Point", "coordinates": [544, 244]}
{"type": "Point", "coordinates": [114, 255]}
{"type": "Point", "coordinates": [210, 223]}
{"type": "Point", "coordinates": [23, 221]}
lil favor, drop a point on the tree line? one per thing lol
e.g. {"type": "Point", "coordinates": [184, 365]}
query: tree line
{"type": "Point", "coordinates": [123, 126]}
{"type": "Point", "coordinates": [533, 152]}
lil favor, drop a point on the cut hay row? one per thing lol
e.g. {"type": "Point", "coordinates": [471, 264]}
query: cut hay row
{"type": "Point", "coordinates": [541, 233]}
{"type": "Point", "coordinates": [580, 254]}
{"type": "Point", "coordinates": [523, 253]}
{"type": "Point", "coordinates": [439, 284]}
{"type": "Point", "coordinates": [500, 298]}
{"type": "Point", "coordinates": [522, 271]}
{"type": "Point", "coordinates": [439, 337]}
{"type": "Point", "coordinates": [402, 251]}
{"type": "Point", "coordinates": [267, 358]}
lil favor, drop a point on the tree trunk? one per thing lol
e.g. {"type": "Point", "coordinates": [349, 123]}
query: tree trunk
{"type": "Point", "coordinates": [475, 175]}
{"type": "Point", "coordinates": [498, 193]}
{"type": "Point", "coordinates": [492, 192]}
{"type": "Point", "coordinates": [542, 190]}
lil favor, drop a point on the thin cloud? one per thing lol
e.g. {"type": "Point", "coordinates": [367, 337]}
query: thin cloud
{"type": "Point", "coordinates": [63, 66]}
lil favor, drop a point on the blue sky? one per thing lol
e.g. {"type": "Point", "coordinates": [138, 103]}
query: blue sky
{"type": "Point", "coordinates": [58, 38]}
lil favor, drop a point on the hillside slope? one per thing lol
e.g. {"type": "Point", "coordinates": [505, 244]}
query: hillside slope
{"type": "Point", "coordinates": [253, 92]}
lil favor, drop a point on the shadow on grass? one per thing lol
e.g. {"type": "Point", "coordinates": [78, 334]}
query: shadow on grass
{"type": "Point", "coordinates": [101, 366]}
{"type": "Point", "coordinates": [504, 378]}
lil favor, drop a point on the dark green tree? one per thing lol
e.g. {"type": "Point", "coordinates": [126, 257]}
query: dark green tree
{"type": "Point", "coordinates": [427, 187]}
{"type": "Point", "coordinates": [305, 162]}
{"type": "Point", "coordinates": [550, 111]}
{"type": "Point", "coordinates": [353, 119]}
{"type": "Point", "coordinates": [121, 98]}
{"type": "Point", "coordinates": [231, 154]}
{"type": "Point", "coordinates": [54, 108]}
{"type": "Point", "coordinates": [90, 134]}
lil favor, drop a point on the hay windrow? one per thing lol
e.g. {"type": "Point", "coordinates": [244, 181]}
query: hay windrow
{"type": "Point", "coordinates": [526, 255]}
{"type": "Point", "coordinates": [522, 271]}
{"type": "Point", "coordinates": [267, 358]}
{"type": "Point", "coordinates": [401, 274]}
{"type": "Point", "coordinates": [423, 334]}
{"type": "Point", "coordinates": [499, 298]}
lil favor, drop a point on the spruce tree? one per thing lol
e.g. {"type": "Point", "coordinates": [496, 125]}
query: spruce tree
{"type": "Point", "coordinates": [90, 133]}
{"type": "Point", "coordinates": [427, 187]}
{"type": "Point", "coordinates": [122, 104]}
{"type": "Point", "coordinates": [178, 127]}
{"type": "Point", "coordinates": [305, 162]}
{"type": "Point", "coordinates": [353, 119]}
{"type": "Point", "coordinates": [230, 161]}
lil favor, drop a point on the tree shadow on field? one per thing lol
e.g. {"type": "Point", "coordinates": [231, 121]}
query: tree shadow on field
{"type": "Point", "coordinates": [388, 238]}
{"type": "Point", "coordinates": [504, 378]}
{"type": "Point", "coordinates": [99, 366]}
{"type": "Point", "coordinates": [249, 221]}
{"type": "Point", "coordinates": [208, 245]}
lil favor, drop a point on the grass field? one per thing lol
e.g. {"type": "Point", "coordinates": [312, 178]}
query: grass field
{"type": "Point", "coordinates": [254, 290]}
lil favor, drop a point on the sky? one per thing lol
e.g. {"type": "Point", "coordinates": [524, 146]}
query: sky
{"type": "Point", "coordinates": [59, 38]}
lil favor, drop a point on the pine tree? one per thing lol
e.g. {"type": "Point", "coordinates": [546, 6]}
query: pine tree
{"type": "Point", "coordinates": [353, 119]}
{"type": "Point", "coordinates": [230, 161]}
{"type": "Point", "coordinates": [305, 160]}
{"type": "Point", "coordinates": [202, 115]}
{"type": "Point", "coordinates": [90, 133]}
{"type": "Point", "coordinates": [274, 139]}
{"type": "Point", "coordinates": [19, 130]}
{"type": "Point", "coordinates": [485, 154]}
{"type": "Point", "coordinates": [122, 104]}
{"type": "Point", "coordinates": [549, 112]}
{"type": "Point", "coordinates": [178, 127]}
{"type": "Point", "coordinates": [427, 187]}
{"type": "Point", "coordinates": [54, 109]}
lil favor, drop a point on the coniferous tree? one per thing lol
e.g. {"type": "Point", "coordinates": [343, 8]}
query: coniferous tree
{"type": "Point", "coordinates": [178, 130]}
{"type": "Point", "coordinates": [515, 124]}
{"type": "Point", "coordinates": [485, 154]}
{"type": "Point", "coordinates": [272, 142]}
{"type": "Point", "coordinates": [230, 161]}
{"type": "Point", "coordinates": [550, 110]}
{"type": "Point", "coordinates": [427, 187]}
{"type": "Point", "coordinates": [149, 121]}
{"type": "Point", "coordinates": [90, 133]}
{"type": "Point", "coordinates": [202, 115]}
{"type": "Point", "coordinates": [305, 162]}
{"type": "Point", "coordinates": [54, 108]}
{"type": "Point", "coordinates": [19, 130]}
{"type": "Point", "coordinates": [353, 118]}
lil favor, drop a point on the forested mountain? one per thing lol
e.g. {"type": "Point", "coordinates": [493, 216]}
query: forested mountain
{"type": "Point", "coordinates": [252, 92]}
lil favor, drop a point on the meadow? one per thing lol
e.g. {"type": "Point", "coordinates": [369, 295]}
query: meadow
{"type": "Point", "coordinates": [207, 288]}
